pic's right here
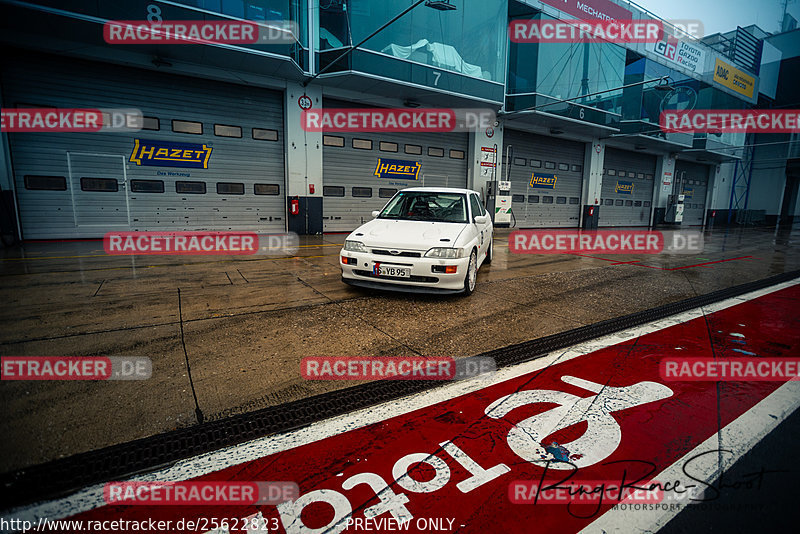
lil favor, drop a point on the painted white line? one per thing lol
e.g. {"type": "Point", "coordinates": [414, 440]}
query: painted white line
{"type": "Point", "coordinates": [738, 437]}
{"type": "Point", "coordinates": [92, 496]}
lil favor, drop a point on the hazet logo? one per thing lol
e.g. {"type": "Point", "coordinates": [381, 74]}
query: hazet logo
{"type": "Point", "coordinates": [688, 193]}
{"type": "Point", "coordinates": [164, 154]}
{"type": "Point", "coordinates": [544, 181]}
{"type": "Point", "coordinates": [624, 188]}
{"type": "Point", "coordinates": [397, 168]}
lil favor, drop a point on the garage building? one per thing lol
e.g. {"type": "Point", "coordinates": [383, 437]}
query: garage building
{"type": "Point", "coordinates": [81, 185]}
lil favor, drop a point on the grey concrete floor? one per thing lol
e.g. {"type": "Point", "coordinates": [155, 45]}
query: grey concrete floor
{"type": "Point", "coordinates": [244, 323]}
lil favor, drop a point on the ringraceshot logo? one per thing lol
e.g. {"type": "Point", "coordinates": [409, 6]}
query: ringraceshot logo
{"type": "Point", "coordinates": [70, 119]}
{"type": "Point", "coordinates": [200, 243]}
{"type": "Point", "coordinates": [731, 121]}
{"type": "Point", "coordinates": [412, 368]}
{"type": "Point", "coordinates": [396, 120]}
{"type": "Point", "coordinates": [605, 241]}
{"type": "Point", "coordinates": [205, 493]}
{"type": "Point", "coordinates": [76, 367]}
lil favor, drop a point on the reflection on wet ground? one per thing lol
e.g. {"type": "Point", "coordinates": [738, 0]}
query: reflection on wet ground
{"type": "Point", "coordinates": [226, 334]}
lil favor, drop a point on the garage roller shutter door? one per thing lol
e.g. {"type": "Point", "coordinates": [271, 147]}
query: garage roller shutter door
{"type": "Point", "coordinates": [104, 190]}
{"type": "Point", "coordinates": [352, 191]}
{"type": "Point", "coordinates": [627, 190]}
{"type": "Point", "coordinates": [544, 205]}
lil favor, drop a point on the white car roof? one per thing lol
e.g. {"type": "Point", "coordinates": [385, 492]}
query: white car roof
{"type": "Point", "coordinates": [441, 189]}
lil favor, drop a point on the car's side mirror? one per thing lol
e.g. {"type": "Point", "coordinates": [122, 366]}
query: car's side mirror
{"type": "Point", "coordinates": [376, 213]}
{"type": "Point", "coordinates": [481, 219]}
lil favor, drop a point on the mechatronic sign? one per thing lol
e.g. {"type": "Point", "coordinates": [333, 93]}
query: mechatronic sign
{"type": "Point", "coordinates": [591, 9]}
{"type": "Point", "coordinates": [733, 78]}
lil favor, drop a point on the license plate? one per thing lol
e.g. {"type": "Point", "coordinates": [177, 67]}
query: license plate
{"type": "Point", "coordinates": [391, 270]}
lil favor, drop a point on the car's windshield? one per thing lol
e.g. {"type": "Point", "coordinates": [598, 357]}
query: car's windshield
{"type": "Point", "coordinates": [426, 206]}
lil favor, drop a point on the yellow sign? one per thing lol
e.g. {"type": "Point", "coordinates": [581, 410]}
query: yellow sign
{"type": "Point", "coordinates": [733, 78]}
{"type": "Point", "coordinates": [545, 181]}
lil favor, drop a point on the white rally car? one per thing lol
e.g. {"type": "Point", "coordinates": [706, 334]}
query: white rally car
{"type": "Point", "coordinates": [426, 239]}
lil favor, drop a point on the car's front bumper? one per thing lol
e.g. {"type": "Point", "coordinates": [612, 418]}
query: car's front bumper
{"type": "Point", "coordinates": [421, 269]}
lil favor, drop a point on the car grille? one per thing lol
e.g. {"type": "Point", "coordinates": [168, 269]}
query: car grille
{"type": "Point", "coordinates": [403, 254]}
{"type": "Point", "coordinates": [412, 278]}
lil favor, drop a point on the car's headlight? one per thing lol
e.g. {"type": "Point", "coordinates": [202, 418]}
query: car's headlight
{"type": "Point", "coordinates": [355, 246]}
{"type": "Point", "coordinates": [445, 253]}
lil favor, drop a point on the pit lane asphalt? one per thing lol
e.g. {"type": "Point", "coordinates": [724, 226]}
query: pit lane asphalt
{"type": "Point", "coordinates": [242, 324]}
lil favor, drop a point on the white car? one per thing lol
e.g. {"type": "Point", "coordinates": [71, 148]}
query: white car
{"type": "Point", "coordinates": [426, 239]}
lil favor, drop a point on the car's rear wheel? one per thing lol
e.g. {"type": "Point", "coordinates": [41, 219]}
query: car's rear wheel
{"type": "Point", "coordinates": [472, 274]}
{"type": "Point", "coordinates": [488, 259]}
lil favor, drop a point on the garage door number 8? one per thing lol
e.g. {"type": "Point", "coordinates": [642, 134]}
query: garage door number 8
{"type": "Point", "coordinates": [154, 13]}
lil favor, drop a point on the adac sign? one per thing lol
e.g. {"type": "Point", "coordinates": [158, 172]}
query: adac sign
{"type": "Point", "coordinates": [543, 181]}
{"type": "Point", "coordinates": [624, 188]}
{"type": "Point", "coordinates": [165, 154]}
{"type": "Point", "coordinates": [734, 79]}
{"type": "Point", "coordinates": [397, 168]}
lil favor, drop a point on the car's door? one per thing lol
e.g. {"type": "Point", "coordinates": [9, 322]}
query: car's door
{"type": "Point", "coordinates": [484, 233]}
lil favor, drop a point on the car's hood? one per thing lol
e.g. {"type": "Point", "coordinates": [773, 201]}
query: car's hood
{"type": "Point", "coordinates": [410, 235]}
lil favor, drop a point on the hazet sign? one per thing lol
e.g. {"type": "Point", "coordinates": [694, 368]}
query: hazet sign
{"type": "Point", "coordinates": [624, 188]}
{"type": "Point", "coordinates": [166, 154]}
{"type": "Point", "coordinates": [397, 168]}
{"type": "Point", "coordinates": [544, 181]}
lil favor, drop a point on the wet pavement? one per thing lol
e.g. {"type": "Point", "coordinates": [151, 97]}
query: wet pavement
{"type": "Point", "coordinates": [473, 455]}
{"type": "Point", "coordinates": [226, 334]}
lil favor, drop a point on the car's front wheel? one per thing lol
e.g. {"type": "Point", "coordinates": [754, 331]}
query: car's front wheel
{"type": "Point", "coordinates": [472, 274]}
